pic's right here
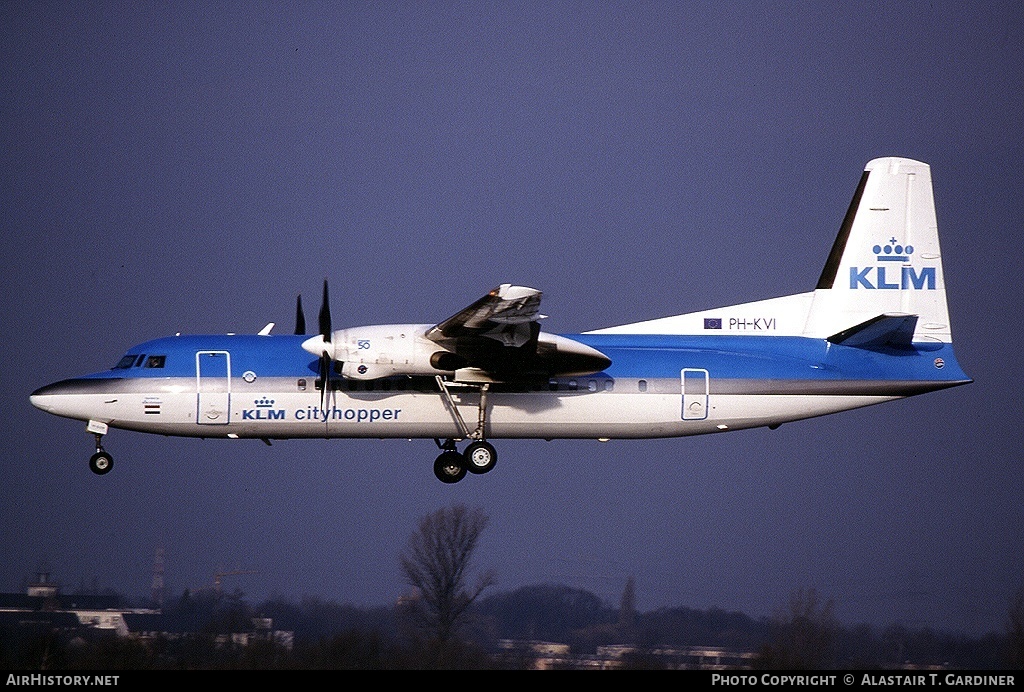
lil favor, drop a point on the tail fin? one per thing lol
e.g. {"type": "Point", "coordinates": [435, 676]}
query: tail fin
{"type": "Point", "coordinates": [882, 283]}
{"type": "Point", "coordinates": [886, 258]}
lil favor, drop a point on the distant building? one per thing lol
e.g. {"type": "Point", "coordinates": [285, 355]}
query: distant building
{"type": "Point", "coordinates": [42, 587]}
{"type": "Point", "coordinates": [686, 658]}
{"type": "Point", "coordinates": [44, 606]}
{"type": "Point", "coordinates": [551, 655]}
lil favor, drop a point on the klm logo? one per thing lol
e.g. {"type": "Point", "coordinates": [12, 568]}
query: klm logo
{"type": "Point", "coordinates": [893, 277]}
{"type": "Point", "coordinates": [264, 411]}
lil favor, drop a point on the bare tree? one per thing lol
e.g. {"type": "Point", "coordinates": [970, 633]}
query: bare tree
{"type": "Point", "coordinates": [627, 607]}
{"type": "Point", "coordinates": [803, 634]}
{"type": "Point", "coordinates": [436, 564]}
{"type": "Point", "coordinates": [1015, 629]}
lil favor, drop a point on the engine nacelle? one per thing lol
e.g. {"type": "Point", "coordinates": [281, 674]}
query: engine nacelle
{"type": "Point", "coordinates": [369, 371]}
{"type": "Point", "coordinates": [566, 357]}
{"type": "Point", "coordinates": [375, 351]}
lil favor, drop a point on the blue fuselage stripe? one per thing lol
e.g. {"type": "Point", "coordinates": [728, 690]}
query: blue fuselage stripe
{"type": "Point", "coordinates": [774, 358]}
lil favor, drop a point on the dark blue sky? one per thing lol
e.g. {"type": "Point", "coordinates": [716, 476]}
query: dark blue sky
{"type": "Point", "coordinates": [191, 167]}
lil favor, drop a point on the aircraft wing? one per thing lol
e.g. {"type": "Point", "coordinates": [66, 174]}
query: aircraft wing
{"type": "Point", "coordinates": [499, 334]}
{"type": "Point", "coordinates": [499, 315]}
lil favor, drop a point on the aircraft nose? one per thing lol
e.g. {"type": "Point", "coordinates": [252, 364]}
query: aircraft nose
{"type": "Point", "coordinates": [56, 398]}
{"type": "Point", "coordinates": [44, 398]}
{"type": "Point", "coordinates": [81, 398]}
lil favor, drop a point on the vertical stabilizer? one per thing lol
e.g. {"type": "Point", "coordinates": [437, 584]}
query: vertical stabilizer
{"type": "Point", "coordinates": [886, 258]}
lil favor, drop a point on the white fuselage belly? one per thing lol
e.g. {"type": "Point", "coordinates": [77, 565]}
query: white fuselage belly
{"type": "Point", "coordinates": [268, 414]}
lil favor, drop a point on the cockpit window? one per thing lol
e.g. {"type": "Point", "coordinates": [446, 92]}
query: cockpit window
{"type": "Point", "coordinates": [155, 361]}
{"type": "Point", "coordinates": [126, 362]}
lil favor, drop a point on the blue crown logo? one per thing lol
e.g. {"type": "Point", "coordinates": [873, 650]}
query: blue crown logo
{"type": "Point", "coordinates": [264, 403]}
{"type": "Point", "coordinates": [893, 251]}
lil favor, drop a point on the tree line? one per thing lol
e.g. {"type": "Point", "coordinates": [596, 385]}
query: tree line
{"type": "Point", "coordinates": [449, 622]}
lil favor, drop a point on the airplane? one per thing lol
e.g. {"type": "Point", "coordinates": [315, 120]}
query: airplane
{"type": "Point", "coordinates": [875, 328]}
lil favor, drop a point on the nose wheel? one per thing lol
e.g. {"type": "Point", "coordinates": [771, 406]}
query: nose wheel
{"type": "Point", "coordinates": [101, 462]}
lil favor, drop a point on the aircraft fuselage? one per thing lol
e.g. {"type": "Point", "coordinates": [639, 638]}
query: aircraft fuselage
{"type": "Point", "coordinates": [876, 327]}
{"type": "Point", "coordinates": [657, 386]}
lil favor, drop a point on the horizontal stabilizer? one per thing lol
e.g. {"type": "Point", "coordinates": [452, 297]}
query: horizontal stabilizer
{"type": "Point", "coordinates": [885, 330]}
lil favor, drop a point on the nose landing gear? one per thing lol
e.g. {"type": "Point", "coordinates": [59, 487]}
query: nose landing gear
{"type": "Point", "coordinates": [101, 462]}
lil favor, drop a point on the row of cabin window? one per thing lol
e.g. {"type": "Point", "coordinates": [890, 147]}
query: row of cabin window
{"type": "Point", "coordinates": [428, 385]}
{"type": "Point", "coordinates": [133, 361]}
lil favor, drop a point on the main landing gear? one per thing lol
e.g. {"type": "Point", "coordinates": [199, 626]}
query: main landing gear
{"type": "Point", "coordinates": [452, 466]}
{"type": "Point", "coordinates": [479, 456]}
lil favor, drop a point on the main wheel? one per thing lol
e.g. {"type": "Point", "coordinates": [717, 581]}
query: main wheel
{"type": "Point", "coordinates": [480, 457]}
{"type": "Point", "coordinates": [450, 467]}
{"type": "Point", "coordinates": [101, 462]}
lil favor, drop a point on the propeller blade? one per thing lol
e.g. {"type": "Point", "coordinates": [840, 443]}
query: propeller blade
{"type": "Point", "coordinates": [325, 378]}
{"type": "Point", "coordinates": [325, 316]}
{"type": "Point", "coordinates": [300, 318]}
{"type": "Point", "coordinates": [326, 362]}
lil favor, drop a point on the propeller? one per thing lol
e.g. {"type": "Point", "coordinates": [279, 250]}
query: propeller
{"type": "Point", "coordinates": [300, 318]}
{"type": "Point", "coordinates": [325, 356]}
{"type": "Point", "coordinates": [321, 346]}
{"type": "Point", "coordinates": [325, 315]}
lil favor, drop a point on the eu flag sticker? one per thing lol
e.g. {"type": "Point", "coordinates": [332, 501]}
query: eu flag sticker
{"type": "Point", "coordinates": [712, 323]}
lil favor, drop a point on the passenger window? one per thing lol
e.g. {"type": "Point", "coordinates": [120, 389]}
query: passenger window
{"type": "Point", "coordinates": [302, 385]}
{"type": "Point", "coordinates": [155, 361]}
{"type": "Point", "coordinates": [642, 384]}
{"type": "Point", "coordinates": [592, 385]}
{"type": "Point", "coordinates": [553, 384]}
{"type": "Point", "coordinates": [608, 385]}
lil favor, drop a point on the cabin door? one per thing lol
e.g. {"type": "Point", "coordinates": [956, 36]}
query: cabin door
{"type": "Point", "coordinates": [213, 387]}
{"type": "Point", "coordinates": [695, 394]}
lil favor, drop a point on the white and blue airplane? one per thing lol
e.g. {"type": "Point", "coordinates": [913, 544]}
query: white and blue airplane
{"type": "Point", "coordinates": [876, 328]}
